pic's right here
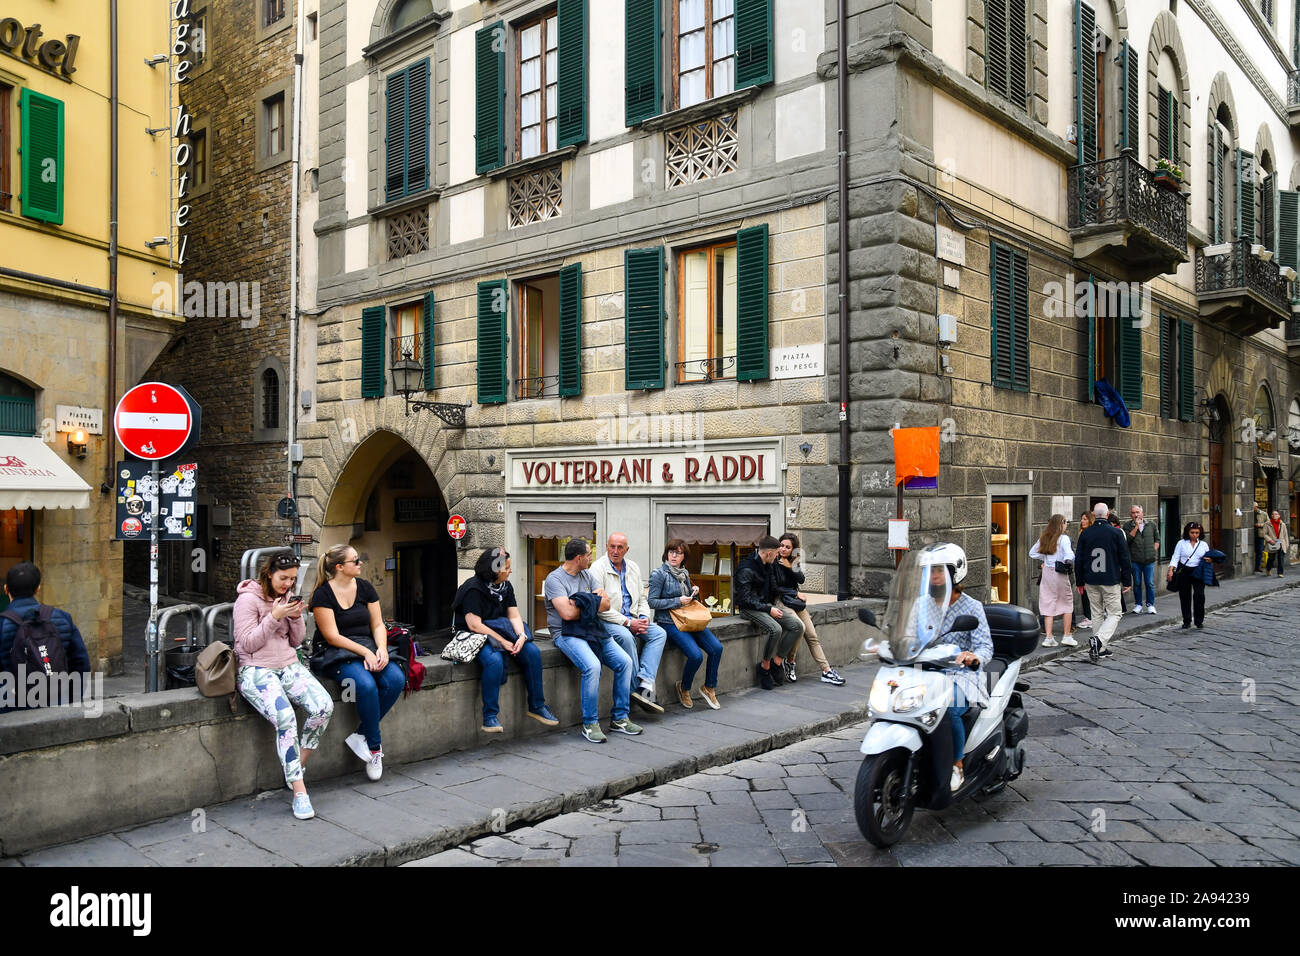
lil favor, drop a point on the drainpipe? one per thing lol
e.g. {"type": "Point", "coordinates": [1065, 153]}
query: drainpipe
{"type": "Point", "coordinates": [842, 83]}
{"type": "Point", "coordinates": [109, 478]}
{"type": "Point", "coordinates": [291, 415]}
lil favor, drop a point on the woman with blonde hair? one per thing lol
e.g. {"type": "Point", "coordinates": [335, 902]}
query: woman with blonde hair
{"type": "Point", "coordinates": [349, 620]}
{"type": "Point", "coordinates": [1055, 596]}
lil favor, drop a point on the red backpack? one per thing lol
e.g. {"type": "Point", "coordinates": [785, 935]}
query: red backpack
{"type": "Point", "coordinates": [402, 646]}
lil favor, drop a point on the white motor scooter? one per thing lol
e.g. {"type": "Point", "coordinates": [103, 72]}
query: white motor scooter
{"type": "Point", "coordinates": [909, 744]}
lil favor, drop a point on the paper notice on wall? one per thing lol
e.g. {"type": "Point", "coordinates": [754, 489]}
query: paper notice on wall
{"type": "Point", "coordinates": [1063, 505]}
{"type": "Point", "coordinates": [898, 534]}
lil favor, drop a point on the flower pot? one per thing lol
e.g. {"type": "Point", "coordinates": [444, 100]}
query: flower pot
{"type": "Point", "coordinates": [1169, 181]}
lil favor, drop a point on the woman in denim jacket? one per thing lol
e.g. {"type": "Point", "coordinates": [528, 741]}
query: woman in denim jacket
{"type": "Point", "coordinates": [670, 587]}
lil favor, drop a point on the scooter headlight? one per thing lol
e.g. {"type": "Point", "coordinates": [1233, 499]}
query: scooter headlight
{"type": "Point", "coordinates": [879, 699]}
{"type": "Point", "coordinates": [909, 699]}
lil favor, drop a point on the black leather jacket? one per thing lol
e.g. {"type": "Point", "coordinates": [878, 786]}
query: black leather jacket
{"type": "Point", "coordinates": [754, 586]}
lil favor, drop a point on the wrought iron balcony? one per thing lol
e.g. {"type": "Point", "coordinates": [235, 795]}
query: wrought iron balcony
{"type": "Point", "coordinates": [1239, 291]}
{"type": "Point", "coordinates": [1119, 210]}
{"type": "Point", "coordinates": [706, 370]}
{"type": "Point", "coordinates": [543, 386]}
{"type": "Point", "coordinates": [1293, 98]}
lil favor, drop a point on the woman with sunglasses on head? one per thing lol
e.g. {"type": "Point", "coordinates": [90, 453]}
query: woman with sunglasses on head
{"type": "Point", "coordinates": [267, 626]}
{"type": "Point", "coordinates": [1191, 560]}
{"type": "Point", "coordinates": [349, 620]}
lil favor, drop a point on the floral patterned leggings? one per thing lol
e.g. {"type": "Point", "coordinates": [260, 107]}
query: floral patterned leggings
{"type": "Point", "coordinates": [270, 690]}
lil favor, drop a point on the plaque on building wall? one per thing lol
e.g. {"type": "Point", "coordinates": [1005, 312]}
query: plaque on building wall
{"type": "Point", "coordinates": [951, 246]}
{"type": "Point", "coordinates": [71, 418]}
{"type": "Point", "coordinates": [799, 361]}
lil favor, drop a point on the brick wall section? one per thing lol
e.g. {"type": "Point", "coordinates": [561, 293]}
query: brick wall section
{"type": "Point", "coordinates": [239, 232]}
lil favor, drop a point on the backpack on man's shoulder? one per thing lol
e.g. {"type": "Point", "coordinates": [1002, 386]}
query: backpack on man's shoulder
{"type": "Point", "coordinates": [38, 646]}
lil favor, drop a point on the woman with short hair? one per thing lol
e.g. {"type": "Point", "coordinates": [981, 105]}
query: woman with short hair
{"type": "Point", "coordinates": [670, 587]}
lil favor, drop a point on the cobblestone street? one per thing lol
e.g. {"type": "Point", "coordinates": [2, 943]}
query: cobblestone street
{"type": "Point", "coordinates": [1181, 750]}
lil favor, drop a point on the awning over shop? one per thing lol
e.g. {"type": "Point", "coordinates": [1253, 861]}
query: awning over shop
{"type": "Point", "coordinates": [717, 529]}
{"type": "Point", "coordinates": [552, 524]}
{"type": "Point", "coordinates": [33, 476]}
{"type": "Point", "coordinates": [1267, 465]}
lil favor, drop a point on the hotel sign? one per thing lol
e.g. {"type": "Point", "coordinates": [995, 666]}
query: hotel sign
{"type": "Point", "coordinates": [24, 43]}
{"type": "Point", "coordinates": [723, 468]}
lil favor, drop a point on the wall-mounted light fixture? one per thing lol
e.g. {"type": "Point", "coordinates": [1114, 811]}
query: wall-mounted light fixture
{"type": "Point", "coordinates": [1209, 411]}
{"type": "Point", "coordinates": [77, 444]}
{"type": "Point", "coordinates": [156, 241]}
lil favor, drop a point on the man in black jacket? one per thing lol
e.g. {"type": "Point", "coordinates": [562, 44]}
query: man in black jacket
{"type": "Point", "coordinates": [1101, 565]}
{"type": "Point", "coordinates": [754, 595]}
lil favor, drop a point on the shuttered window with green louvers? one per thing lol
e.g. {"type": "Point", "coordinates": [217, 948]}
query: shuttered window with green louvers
{"type": "Point", "coordinates": [374, 323]}
{"type": "Point", "coordinates": [1216, 194]}
{"type": "Point", "coordinates": [1129, 372]}
{"type": "Point", "coordinates": [1085, 82]}
{"type": "Point", "coordinates": [753, 42]}
{"type": "Point", "coordinates": [1288, 228]}
{"type": "Point", "coordinates": [406, 145]}
{"type": "Point", "coordinates": [1128, 97]}
{"type": "Point", "coordinates": [493, 341]}
{"type": "Point", "coordinates": [1268, 213]}
{"type": "Point", "coordinates": [1186, 370]}
{"type": "Point", "coordinates": [1245, 195]}
{"type": "Point", "coordinates": [1006, 47]}
{"type": "Point", "coordinates": [1009, 308]}
{"type": "Point", "coordinates": [570, 331]}
{"type": "Point", "coordinates": [489, 98]}
{"type": "Point", "coordinates": [752, 352]}
{"type": "Point", "coordinates": [643, 26]}
{"type": "Point", "coordinates": [428, 343]}
{"type": "Point", "coordinates": [1168, 365]}
{"type": "Point", "coordinates": [571, 68]}
{"type": "Point", "coordinates": [1167, 132]}
{"type": "Point", "coordinates": [643, 271]}
{"type": "Point", "coordinates": [42, 157]}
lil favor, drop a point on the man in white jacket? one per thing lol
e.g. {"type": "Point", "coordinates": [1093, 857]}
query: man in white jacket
{"type": "Point", "coordinates": [629, 617]}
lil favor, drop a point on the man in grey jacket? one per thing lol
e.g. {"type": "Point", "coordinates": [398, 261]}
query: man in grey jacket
{"type": "Point", "coordinates": [1143, 548]}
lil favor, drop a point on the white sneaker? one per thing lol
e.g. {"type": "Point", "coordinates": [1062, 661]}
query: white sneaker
{"type": "Point", "coordinates": [375, 766]}
{"type": "Point", "coordinates": [958, 778]}
{"type": "Point", "coordinates": [1050, 642]}
{"type": "Point", "coordinates": [1137, 609]}
{"type": "Point", "coordinates": [1083, 625]}
{"type": "Point", "coordinates": [357, 744]}
{"type": "Point", "coordinates": [1069, 641]}
{"type": "Point", "coordinates": [1151, 609]}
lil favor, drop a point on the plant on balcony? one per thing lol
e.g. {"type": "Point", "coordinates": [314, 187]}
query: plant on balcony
{"type": "Point", "coordinates": [1168, 175]}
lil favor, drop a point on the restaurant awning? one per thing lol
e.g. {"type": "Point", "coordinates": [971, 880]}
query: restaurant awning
{"type": "Point", "coordinates": [33, 476]}
{"type": "Point", "coordinates": [1268, 465]}
{"type": "Point", "coordinates": [717, 529]}
{"type": "Point", "coordinates": [553, 524]}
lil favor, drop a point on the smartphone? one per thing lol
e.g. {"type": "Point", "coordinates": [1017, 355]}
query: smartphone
{"type": "Point", "coordinates": [293, 599]}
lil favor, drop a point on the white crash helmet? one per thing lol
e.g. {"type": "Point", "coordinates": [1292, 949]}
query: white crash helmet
{"type": "Point", "coordinates": [950, 555]}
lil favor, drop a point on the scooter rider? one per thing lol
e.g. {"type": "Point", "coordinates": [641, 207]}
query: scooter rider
{"type": "Point", "coordinates": [947, 563]}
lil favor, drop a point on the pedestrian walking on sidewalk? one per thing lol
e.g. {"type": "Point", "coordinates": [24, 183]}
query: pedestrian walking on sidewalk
{"type": "Point", "coordinates": [355, 649]}
{"type": "Point", "coordinates": [788, 579]}
{"type": "Point", "coordinates": [268, 627]}
{"type": "Point", "coordinates": [486, 604]}
{"type": "Point", "coordinates": [754, 588]}
{"type": "Point", "coordinates": [1277, 541]}
{"type": "Point", "coordinates": [1189, 567]}
{"type": "Point", "coordinates": [1113, 520]}
{"type": "Point", "coordinates": [670, 587]}
{"type": "Point", "coordinates": [1143, 537]}
{"type": "Point", "coordinates": [1102, 569]}
{"type": "Point", "coordinates": [629, 618]}
{"type": "Point", "coordinates": [1054, 594]}
{"type": "Point", "coordinates": [1084, 620]}
{"type": "Point", "coordinates": [1260, 518]}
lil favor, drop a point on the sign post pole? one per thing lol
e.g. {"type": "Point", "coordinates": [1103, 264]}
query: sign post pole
{"type": "Point", "coordinates": [151, 637]}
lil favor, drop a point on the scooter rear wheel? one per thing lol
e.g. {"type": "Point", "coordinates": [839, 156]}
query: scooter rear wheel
{"type": "Point", "coordinates": [882, 808]}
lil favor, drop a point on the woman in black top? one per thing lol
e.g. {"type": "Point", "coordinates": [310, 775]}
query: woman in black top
{"type": "Point", "coordinates": [485, 604]}
{"type": "Point", "coordinates": [348, 618]}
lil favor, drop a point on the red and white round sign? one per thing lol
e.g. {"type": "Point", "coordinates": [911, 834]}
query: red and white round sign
{"type": "Point", "coordinates": [153, 421]}
{"type": "Point", "coordinates": [456, 527]}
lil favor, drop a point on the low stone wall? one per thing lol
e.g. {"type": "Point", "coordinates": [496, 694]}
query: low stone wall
{"type": "Point", "coordinates": [65, 775]}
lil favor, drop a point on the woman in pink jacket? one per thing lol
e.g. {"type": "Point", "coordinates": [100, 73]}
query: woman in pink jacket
{"type": "Point", "coordinates": [268, 626]}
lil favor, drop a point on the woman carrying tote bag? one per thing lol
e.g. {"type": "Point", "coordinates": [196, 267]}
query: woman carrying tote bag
{"type": "Point", "coordinates": [670, 587]}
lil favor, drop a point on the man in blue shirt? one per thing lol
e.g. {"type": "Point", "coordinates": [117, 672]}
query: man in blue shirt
{"type": "Point", "coordinates": [22, 584]}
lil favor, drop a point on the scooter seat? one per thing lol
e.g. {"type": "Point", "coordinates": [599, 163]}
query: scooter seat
{"type": "Point", "coordinates": [995, 669]}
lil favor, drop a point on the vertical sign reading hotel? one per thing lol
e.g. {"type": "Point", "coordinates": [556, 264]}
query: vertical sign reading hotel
{"type": "Point", "coordinates": [184, 40]}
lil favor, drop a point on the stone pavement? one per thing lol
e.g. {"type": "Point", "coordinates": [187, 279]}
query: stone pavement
{"type": "Point", "coordinates": [420, 809]}
{"type": "Point", "coordinates": [1181, 750]}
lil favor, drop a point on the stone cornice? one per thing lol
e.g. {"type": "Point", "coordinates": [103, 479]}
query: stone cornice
{"type": "Point", "coordinates": [1206, 12]}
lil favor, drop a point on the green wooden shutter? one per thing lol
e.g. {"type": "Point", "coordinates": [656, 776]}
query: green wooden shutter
{"type": "Point", "coordinates": [1130, 353]}
{"type": "Point", "coordinates": [1020, 319]}
{"type": "Point", "coordinates": [642, 29]}
{"type": "Point", "coordinates": [428, 342]}
{"type": "Point", "coordinates": [1288, 228]}
{"type": "Point", "coordinates": [1128, 97]}
{"type": "Point", "coordinates": [751, 304]}
{"type": "Point", "coordinates": [571, 78]}
{"type": "Point", "coordinates": [489, 98]}
{"type": "Point", "coordinates": [571, 330]}
{"type": "Point", "coordinates": [643, 273]}
{"type": "Point", "coordinates": [1000, 308]}
{"type": "Point", "coordinates": [995, 46]}
{"type": "Point", "coordinates": [1164, 124]}
{"type": "Point", "coordinates": [1166, 367]}
{"type": "Point", "coordinates": [1017, 52]}
{"type": "Point", "coordinates": [1186, 370]}
{"type": "Point", "coordinates": [1090, 311]}
{"type": "Point", "coordinates": [373, 326]}
{"type": "Point", "coordinates": [1085, 82]}
{"type": "Point", "coordinates": [417, 128]}
{"type": "Point", "coordinates": [1178, 129]}
{"type": "Point", "coordinates": [395, 96]}
{"type": "Point", "coordinates": [42, 157]}
{"type": "Point", "coordinates": [1245, 195]}
{"type": "Point", "coordinates": [753, 42]}
{"type": "Point", "coordinates": [493, 306]}
{"type": "Point", "coordinates": [1215, 193]}
{"type": "Point", "coordinates": [1268, 213]}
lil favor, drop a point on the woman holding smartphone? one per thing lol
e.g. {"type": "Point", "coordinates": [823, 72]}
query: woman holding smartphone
{"type": "Point", "coordinates": [268, 627]}
{"type": "Point", "coordinates": [670, 587]}
{"type": "Point", "coordinates": [348, 619]}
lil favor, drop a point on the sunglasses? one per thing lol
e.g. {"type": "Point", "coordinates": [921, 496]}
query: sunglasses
{"type": "Point", "coordinates": [353, 561]}
{"type": "Point", "coordinates": [283, 562]}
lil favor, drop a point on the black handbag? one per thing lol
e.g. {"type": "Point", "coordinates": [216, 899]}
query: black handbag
{"type": "Point", "coordinates": [327, 657]}
{"type": "Point", "coordinates": [792, 600]}
{"type": "Point", "coordinates": [1065, 567]}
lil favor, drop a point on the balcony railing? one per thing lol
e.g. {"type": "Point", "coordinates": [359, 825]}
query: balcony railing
{"type": "Point", "coordinates": [1293, 90]}
{"type": "Point", "coordinates": [1238, 271]}
{"type": "Point", "coordinates": [1122, 191]}
{"type": "Point", "coordinates": [542, 386]}
{"type": "Point", "coordinates": [406, 346]}
{"type": "Point", "coordinates": [706, 370]}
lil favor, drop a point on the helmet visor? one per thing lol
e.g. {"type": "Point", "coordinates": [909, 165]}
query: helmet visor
{"type": "Point", "coordinates": [918, 602]}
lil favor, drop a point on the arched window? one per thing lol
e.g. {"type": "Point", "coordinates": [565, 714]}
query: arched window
{"type": "Point", "coordinates": [409, 12]}
{"type": "Point", "coordinates": [17, 407]}
{"type": "Point", "coordinates": [270, 408]}
{"type": "Point", "coordinates": [1265, 430]}
{"type": "Point", "coordinates": [270, 399]}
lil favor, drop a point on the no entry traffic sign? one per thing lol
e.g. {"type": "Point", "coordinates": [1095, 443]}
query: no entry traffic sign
{"type": "Point", "coordinates": [155, 420]}
{"type": "Point", "coordinates": [456, 527]}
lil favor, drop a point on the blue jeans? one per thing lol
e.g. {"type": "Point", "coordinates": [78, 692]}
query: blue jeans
{"type": "Point", "coordinates": [958, 731]}
{"type": "Point", "coordinates": [1144, 573]}
{"type": "Point", "coordinates": [585, 658]}
{"type": "Point", "coordinates": [493, 659]}
{"type": "Point", "coordinates": [646, 665]}
{"type": "Point", "coordinates": [691, 644]}
{"type": "Point", "coordinates": [376, 693]}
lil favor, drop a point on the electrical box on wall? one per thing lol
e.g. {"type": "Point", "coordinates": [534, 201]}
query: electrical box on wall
{"type": "Point", "coordinates": [947, 329]}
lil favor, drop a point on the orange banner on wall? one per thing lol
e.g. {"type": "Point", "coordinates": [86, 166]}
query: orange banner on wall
{"type": "Point", "coordinates": [916, 453]}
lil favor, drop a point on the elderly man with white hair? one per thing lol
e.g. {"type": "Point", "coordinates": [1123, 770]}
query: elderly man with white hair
{"type": "Point", "coordinates": [1101, 566]}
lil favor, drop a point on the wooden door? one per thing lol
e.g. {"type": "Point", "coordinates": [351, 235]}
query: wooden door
{"type": "Point", "coordinates": [1216, 496]}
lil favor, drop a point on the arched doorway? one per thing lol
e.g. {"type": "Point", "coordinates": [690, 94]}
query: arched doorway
{"type": "Point", "coordinates": [1219, 429]}
{"type": "Point", "coordinates": [388, 505]}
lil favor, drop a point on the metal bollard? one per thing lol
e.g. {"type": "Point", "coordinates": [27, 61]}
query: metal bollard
{"type": "Point", "coordinates": [210, 615]}
{"type": "Point", "coordinates": [154, 671]}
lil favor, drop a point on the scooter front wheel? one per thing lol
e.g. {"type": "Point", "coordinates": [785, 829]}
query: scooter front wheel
{"type": "Point", "coordinates": [882, 807]}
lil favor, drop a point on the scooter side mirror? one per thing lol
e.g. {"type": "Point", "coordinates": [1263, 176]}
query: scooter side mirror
{"type": "Point", "coordinates": [867, 616]}
{"type": "Point", "coordinates": [964, 622]}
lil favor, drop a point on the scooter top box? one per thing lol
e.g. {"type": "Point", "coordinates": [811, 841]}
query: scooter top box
{"type": "Point", "coordinates": [1014, 629]}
